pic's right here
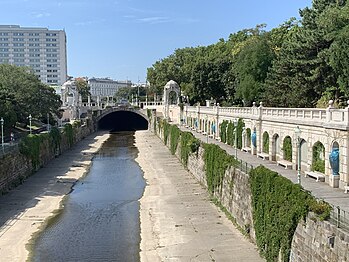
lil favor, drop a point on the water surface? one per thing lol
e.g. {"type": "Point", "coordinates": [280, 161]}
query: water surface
{"type": "Point", "coordinates": [100, 220]}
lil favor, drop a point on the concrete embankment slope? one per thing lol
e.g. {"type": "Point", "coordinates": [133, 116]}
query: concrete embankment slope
{"type": "Point", "coordinates": [25, 209]}
{"type": "Point", "coordinates": [178, 221]}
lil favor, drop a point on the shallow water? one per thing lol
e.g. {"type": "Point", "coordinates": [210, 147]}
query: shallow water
{"type": "Point", "coordinates": [100, 219]}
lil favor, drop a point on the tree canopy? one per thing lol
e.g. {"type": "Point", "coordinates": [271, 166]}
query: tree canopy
{"type": "Point", "coordinates": [22, 94]}
{"type": "Point", "coordinates": [301, 63]}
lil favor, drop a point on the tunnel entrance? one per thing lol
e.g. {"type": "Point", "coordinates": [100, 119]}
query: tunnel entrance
{"type": "Point", "coordinates": [123, 121]}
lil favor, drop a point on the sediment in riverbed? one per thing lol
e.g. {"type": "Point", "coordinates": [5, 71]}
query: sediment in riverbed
{"type": "Point", "coordinates": [26, 209]}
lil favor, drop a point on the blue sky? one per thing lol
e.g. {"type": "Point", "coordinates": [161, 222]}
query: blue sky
{"type": "Point", "coordinates": [121, 38]}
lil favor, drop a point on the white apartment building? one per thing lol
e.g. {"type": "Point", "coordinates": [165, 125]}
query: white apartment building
{"type": "Point", "coordinates": [41, 49]}
{"type": "Point", "coordinates": [106, 87]}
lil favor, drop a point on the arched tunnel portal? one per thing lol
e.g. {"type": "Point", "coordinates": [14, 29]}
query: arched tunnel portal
{"type": "Point", "coordinates": [122, 121]}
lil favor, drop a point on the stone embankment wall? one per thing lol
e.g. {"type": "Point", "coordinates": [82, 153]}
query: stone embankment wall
{"type": "Point", "coordinates": [311, 240]}
{"type": "Point", "coordinates": [321, 241]}
{"type": "Point", "coordinates": [15, 167]}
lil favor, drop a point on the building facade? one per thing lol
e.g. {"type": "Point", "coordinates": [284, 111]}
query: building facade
{"type": "Point", "coordinates": [106, 87]}
{"type": "Point", "coordinates": [41, 49]}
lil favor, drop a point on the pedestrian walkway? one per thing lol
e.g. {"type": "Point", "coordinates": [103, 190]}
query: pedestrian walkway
{"type": "Point", "coordinates": [320, 190]}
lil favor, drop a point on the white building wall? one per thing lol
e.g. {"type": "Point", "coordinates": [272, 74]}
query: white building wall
{"type": "Point", "coordinates": [41, 49]}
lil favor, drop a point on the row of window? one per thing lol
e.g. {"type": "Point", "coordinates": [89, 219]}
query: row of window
{"type": "Point", "coordinates": [30, 44]}
{"type": "Point", "coordinates": [22, 34]}
{"type": "Point", "coordinates": [19, 39]}
{"type": "Point", "coordinates": [30, 50]}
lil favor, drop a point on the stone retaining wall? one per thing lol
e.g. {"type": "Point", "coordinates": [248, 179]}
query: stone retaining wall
{"type": "Point", "coordinates": [311, 239]}
{"type": "Point", "coordinates": [15, 167]}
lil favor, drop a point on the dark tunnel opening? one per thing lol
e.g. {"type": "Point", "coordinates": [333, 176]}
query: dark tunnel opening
{"type": "Point", "coordinates": [123, 121]}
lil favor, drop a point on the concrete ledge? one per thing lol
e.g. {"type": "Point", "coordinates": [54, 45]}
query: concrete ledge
{"type": "Point", "coordinates": [284, 163]}
{"type": "Point", "coordinates": [246, 149]}
{"type": "Point", "coordinates": [263, 155]}
{"type": "Point", "coordinates": [319, 176]}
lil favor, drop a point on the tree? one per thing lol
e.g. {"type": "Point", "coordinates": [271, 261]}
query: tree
{"type": "Point", "coordinates": [22, 93]}
{"type": "Point", "coordinates": [83, 88]}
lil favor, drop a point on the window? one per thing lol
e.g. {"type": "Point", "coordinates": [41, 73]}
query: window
{"type": "Point", "coordinates": [34, 60]}
{"type": "Point", "coordinates": [18, 55]}
{"type": "Point", "coordinates": [18, 39]}
{"type": "Point", "coordinates": [18, 34]}
{"type": "Point", "coordinates": [51, 44]}
{"type": "Point", "coordinates": [3, 49]}
{"type": "Point", "coordinates": [19, 60]}
{"type": "Point", "coordinates": [34, 55]}
{"type": "Point", "coordinates": [33, 34]}
{"type": "Point", "coordinates": [51, 40]}
{"type": "Point", "coordinates": [3, 39]}
{"type": "Point", "coordinates": [34, 39]}
{"type": "Point", "coordinates": [34, 50]}
{"type": "Point", "coordinates": [51, 60]}
{"type": "Point", "coordinates": [51, 34]}
{"type": "Point", "coordinates": [3, 44]}
{"type": "Point", "coordinates": [51, 50]}
{"type": "Point", "coordinates": [51, 55]}
{"type": "Point", "coordinates": [18, 49]}
{"type": "Point", "coordinates": [34, 44]}
{"type": "Point", "coordinates": [3, 55]}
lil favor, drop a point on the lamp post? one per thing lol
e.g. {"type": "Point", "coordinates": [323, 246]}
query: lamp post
{"type": "Point", "coordinates": [30, 123]}
{"type": "Point", "coordinates": [236, 138]}
{"type": "Point", "coordinates": [298, 137]}
{"type": "Point", "coordinates": [2, 132]}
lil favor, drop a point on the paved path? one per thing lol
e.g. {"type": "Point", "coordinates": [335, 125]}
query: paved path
{"type": "Point", "coordinates": [320, 190]}
{"type": "Point", "coordinates": [178, 221]}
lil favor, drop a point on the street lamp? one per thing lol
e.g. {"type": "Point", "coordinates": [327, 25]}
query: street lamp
{"type": "Point", "coordinates": [298, 137]}
{"type": "Point", "coordinates": [30, 123]}
{"type": "Point", "coordinates": [236, 138]}
{"type": "Point", "coordinates": [2, 132]}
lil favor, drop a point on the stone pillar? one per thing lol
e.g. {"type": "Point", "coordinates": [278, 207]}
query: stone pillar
{"type": "Point", "coordinates": [217, 122]}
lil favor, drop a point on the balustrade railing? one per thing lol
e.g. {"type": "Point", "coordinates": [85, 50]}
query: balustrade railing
{"type": "Point", "coordinates": [313, 116]}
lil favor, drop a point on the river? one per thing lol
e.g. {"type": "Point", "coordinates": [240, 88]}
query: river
{"type": "Point", "coordinates": [100, 218]}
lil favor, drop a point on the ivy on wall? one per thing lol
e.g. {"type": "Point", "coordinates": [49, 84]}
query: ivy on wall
{"type": "Point", "coordinates": [69, 132]}
{"type": "Point", "coordinates": [223, 131]}
{"type": "Point", "coordinates": [318, 161]}
{"type": "Point", "coordinates": [189, 144]}
{"type": "Point", "coordinates": [174, 138]}
{"type": "Point", "coordinates": [230, 133]}
{"type": "Point", "coordinates": [30, 147]}
{"type": "Point", "coordinates": [278, 206]}
{"type": "Point", "coordinates": [265, 148]}
{"type": "Point", "coordinates": [287, 148]}
{"type": "Point", "coordinates": [217, 161]}
{"type": "Point", "coordinates": [56, 137]}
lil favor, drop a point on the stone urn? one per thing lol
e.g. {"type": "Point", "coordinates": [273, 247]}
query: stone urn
{"type": "Point", "coordinates": [254, 139]}
{"type": "Point", "coordinates": [334, 161]}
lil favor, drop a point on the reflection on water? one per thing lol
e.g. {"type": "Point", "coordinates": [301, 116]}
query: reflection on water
{"type": "Point", "coordinates": [100, 221]}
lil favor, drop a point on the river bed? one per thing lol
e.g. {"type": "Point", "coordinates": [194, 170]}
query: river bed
{"type": "Point", "coordinates": [100, 218]}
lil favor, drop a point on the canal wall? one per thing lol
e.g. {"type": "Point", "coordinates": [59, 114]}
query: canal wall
{"type": "Point", "coordinates": [17, 165]}
{"type": "Point", "coordinates": [314, 239]}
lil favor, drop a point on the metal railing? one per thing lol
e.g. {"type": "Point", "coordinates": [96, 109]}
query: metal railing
{"type": "Point", "coordinates": [8, 148]}
{"type": "Point", "coordinates": [339, 217]}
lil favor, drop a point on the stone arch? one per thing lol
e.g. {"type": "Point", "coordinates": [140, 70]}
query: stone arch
{"type": "Point", "coordinates": [275, 147]}
{"type": "Point", "coordinates": [304, 153]}
{"type": "Point", "coordinates": [265, 142]}
{"type": "Point", "coordinates": [287, 148]}
{"type": "Point", "coordinates": [318, 157]}
{"type": "Point", "coordinates": [247, 137]}
{"type": "Point", "coordinates": [170, 88]}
